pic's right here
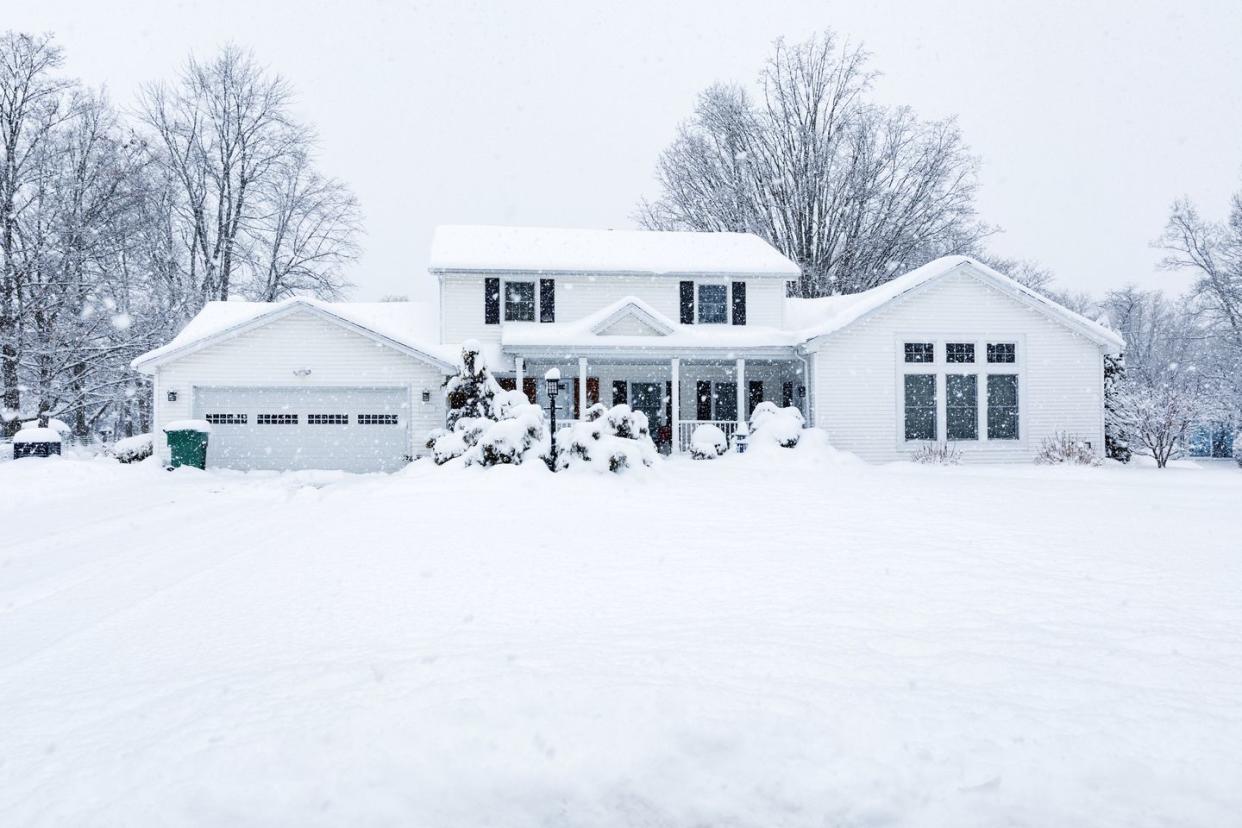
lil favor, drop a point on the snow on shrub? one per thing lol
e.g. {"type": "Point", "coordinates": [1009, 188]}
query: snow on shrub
{"type": "Point", "coordinates": [510, 439]}
{"type": "Point", "coordinates": [937, 454]}
{"type": "Point", "coordinates": [708, 442]}
{"type": "Point", "coordinates": [1065, 448]}
{"type": "Point", "coordinates": [1237, 447]}
{"type": "Point", "coordinates": [471, 396]}
{"type": "Point", "coordinates": [770, 425]}
{"type": "Point", "coordinates": [617, 439]}
{"type": "Point", "coordinates": [133, 449]}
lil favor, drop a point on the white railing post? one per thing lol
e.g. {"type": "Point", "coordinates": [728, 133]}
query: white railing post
{"type": "Point", "coordinates": [675, 406]}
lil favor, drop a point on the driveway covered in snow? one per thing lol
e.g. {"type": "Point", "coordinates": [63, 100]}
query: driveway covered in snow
{"type": "Point", "coordinates": [739, 642]}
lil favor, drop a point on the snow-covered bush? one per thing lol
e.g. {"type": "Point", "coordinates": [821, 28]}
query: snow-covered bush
{"type": "Point", "coordinates": [618, 439]}
{"type": "Point", "coordinates": [1158, 417]}
{"type": "Point", "coordinates": [708, 442]}
{"type": "Point", "coordinates": [1066, 448]}
{"type": "Point", "coordinates": [937, 454]}
{"type": "Point", "coordinates": [472, 406]}
{"type": "Point", "coordinates": [1237, 447]}
{"type": "Point", "coordinates": [133, 449]}
{"type": "Point", "coordinates": [770, 425]}
{"type": "Point", "coordinates": [510, 439]}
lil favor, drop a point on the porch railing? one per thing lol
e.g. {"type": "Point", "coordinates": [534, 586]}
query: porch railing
{"type": "Point", "coordinates": [685, 430]}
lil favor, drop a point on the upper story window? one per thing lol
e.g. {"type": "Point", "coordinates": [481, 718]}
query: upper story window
{"type": "Point", "coordinates": [519, 301]}
{"type": "Point", "coordinates": [959, 352]}
{"type": "Point", "coordinates": [1001, 352]}
{"type": "Point", "coordinates": [713, 304]}
{"type": "Point", "coordinates": [920, 352]}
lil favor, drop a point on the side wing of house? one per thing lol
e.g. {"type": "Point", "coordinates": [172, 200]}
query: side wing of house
{"type": "Point", "coordinates": [962, 361]}
{"type": "Point", "coordinates": [303, 391]}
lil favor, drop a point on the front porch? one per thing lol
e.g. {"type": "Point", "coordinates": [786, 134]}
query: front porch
{"type": "Point", "coordinates": [677, 393]}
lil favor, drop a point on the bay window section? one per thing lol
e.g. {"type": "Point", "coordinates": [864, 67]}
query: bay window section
{"type": "Point", "coordinates": [713, 304]}
{"type": "Point", "coordinates": [961, 392]}
{"type": "Point", "coordinates": [920, 406]}
{"type": "Point", "coordinates": [1002, 406]}
{"type": "Point", "coordinates": [519, 301]}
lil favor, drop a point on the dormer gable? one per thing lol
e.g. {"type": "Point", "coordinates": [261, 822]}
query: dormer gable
{"type": "Point", "coordinates": [631, 317]}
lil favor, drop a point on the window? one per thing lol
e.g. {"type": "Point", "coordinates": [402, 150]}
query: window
{"type": "Point", "coordinates": [920, 406]}
{"type": "Point", "coordinates": [226, 419]}
{"type": "Point", "coordinates": [961, 392]}
{"type": "Point", "coordinates": [702, 400]}
{"type": "Point", "coordinates": [519, 301]}
{"type": "Point", "coordinates": [327, 419]}
{"type": "Point", "coordinates": [377, 419]}
{"type": "Point", "coordinates": [277, 419]}
{"type": "Point", "coordinates": [920, 352]}
{"type": "Point", "coordinates": [713, 304]}
{"type": "Point", "coordinates": [1002, 407]}
{"type": "Point", "coordinates": [959, 352]}
{"type": "Point", "coordinates": [787, 398]}
{"type": "Point", "coordinates": [726, 401]}
{"type": "Point", "coordinates": [755, 392]}
{"type": "Point", "coordinates": [1000, 352]}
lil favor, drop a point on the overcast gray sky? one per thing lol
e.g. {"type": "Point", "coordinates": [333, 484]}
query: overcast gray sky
{"type": "Point", "coordinates": [1090, 117]}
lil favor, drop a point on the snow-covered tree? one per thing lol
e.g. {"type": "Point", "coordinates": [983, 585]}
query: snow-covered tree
{"type": "Point", "coordinates": [854, 192]}
{"type": "Point", "coordinates": [1116, 442]}
{"type": "Point", "coordinates": [471, 392]}
{"type": "Point", "coordinates": [1158, 417]}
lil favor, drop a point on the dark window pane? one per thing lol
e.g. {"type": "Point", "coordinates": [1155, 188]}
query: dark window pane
{"type": "Point", "coordinates": [1001, 352]}
{"type": "Point", "coordinates": [1003, 407]}
{"type": "Point", "coordinates": [726, 401]}
{"type": "Point", "coordinates": [961, 404]}
{"type": "Point", "coordinates": [959, 352]}
{"type": "Point", "coordinates": [520, 301]}
{"type": "Point", "coordinates": [713, 304]}
{"type": "Point", "coordinates": [920, 406]}
{"type": "Point", "coordinates": [920, 352]}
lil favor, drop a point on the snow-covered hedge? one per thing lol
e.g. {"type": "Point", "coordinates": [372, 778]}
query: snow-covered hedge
{"type": "Point", "coordinates": [773, 426]}
{"type": "Point", "coordinates": [937, 454]}
{"type": "Point", "coordinates": [708, 442]}
{"type": "Point", "coordinates": [488, 426]}
{"type": "Point", "coordinates": [1066, 448]}
{"type": "Point", "coordinates": [133, 449]}
{"type": "Point", "coordinates": [610, 439]}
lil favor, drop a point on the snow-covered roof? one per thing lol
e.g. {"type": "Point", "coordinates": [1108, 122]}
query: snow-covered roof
{"type": "Point", "coordinates": [560, 250]}
{"type": "Point", "coordinates": [819, 317]}
{"type": "Point", "coordinates": [408, 325]}
{"type": "Point", "coordinates": [589, 331]}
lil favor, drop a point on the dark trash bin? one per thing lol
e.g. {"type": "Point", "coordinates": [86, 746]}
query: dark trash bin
{"type": "Point", "coordinates": [187, 443]}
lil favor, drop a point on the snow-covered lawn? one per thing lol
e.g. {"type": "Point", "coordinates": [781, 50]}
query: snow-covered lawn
{"type": "Point", "coordinates": [738, 642]}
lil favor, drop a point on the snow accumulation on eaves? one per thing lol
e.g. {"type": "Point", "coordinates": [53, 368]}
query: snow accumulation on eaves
{"type": "Point", "coordinates": [412, 324]}
{"type": "Point", "coordinates": [819, 317]}
{"type": "Point", "coordinates": [558, 250]}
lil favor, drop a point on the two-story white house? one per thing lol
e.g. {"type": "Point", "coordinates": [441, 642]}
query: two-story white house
{"type": "Point", "coordinates": [686, 327]}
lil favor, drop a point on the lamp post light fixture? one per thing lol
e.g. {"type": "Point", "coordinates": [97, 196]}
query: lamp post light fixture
{"type": "Point", "coordinates": [552, 384]}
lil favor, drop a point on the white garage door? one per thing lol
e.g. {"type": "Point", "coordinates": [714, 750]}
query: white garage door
{"type": "Point", "coordinates": [355, 429]}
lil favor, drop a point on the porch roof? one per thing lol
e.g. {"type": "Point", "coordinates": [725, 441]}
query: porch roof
{"type": "Point", "coordinates": [660, 335]}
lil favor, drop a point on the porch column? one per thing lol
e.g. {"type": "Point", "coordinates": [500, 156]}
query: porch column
{"type": "Point", "coordinates": [741, 392]}
{"type": "Point", "coordinates": [675, 364]}
{"type": "Point", "coordinates": [582, 378]}
{"type": "Point", "coordinates": [519, 368]}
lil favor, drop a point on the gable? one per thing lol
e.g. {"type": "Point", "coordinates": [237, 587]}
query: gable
{"type": "Point", "coordinates": [629, 325]}
{"type": "Point", "coordinates": [631, 317]}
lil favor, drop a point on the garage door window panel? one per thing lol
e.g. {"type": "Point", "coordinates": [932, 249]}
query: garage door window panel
{"type": "Point", "coordinates": [277, 419]}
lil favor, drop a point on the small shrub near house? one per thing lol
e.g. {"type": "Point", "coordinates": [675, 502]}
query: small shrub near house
{"type": "Point", "coordinates": [774, 426]}
{"type": "Point", "coordinates": [937, 454]}
{"type": "Point", "coordinates": [708, 442]}
{"type": "Point", "coordinates": [1063, 448]}
{"type": "Point", "coordinates": [133, 449]}
{"type": "Point", "coordinates": [1237, 447]}
{"type": "Point", "coordinates": [607, 439]}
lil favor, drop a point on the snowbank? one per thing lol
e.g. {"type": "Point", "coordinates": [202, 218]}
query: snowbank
{"type": "Point", "coordinates": [59, 426]}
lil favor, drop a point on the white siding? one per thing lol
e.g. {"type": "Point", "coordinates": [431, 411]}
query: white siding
{"type": "Point", "coordinates": [857, 371]}
{"type": "Point", "coordinates": [269, 355]}
{"type": "Point", "coordinates": [577, 296]}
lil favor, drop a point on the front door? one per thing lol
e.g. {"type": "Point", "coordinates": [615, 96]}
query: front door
{"type": "Point", "coordinates": [648, 397]}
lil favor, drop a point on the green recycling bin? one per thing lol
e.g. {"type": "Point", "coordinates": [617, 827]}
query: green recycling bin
{"type": "Point", "coordinates": [187, 443]}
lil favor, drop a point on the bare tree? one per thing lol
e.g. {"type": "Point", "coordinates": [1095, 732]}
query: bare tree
{"type": "Point", "coordinates": [855, 193]}
{"type": "Point", "coordinates": [1214, 251]}
{"type": "Point", "coordinates": [1156, 419]}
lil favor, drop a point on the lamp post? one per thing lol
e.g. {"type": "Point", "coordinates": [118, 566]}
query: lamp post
{"type": "Point", "coordinates": [552, 383]}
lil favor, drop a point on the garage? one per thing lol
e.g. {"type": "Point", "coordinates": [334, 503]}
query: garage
{"type": "Point", "coordinates": [352, 429]}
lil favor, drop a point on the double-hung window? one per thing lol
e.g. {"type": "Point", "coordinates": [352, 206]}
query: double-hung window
{"type": "Point", "coordinates": [961, 406]}
{"type": "Point", "coordinates": [519, 301]}
{"type": "Point", "coordinates": [1002, 406]}
{"type": "Point", "coordinates": [713, 304]}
